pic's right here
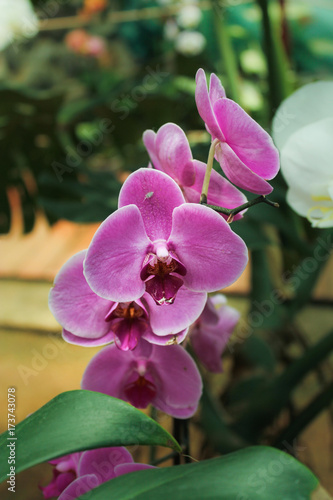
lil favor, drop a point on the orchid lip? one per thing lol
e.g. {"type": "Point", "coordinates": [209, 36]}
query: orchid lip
{"type": "Point", "coordinates": [160, 272]}
{"type": "Point", "coordinates": [129, 322]}
{"type": "Point", "coordinates": [141, 391]}
{"type": "Point", "coordinates": [163, 287]}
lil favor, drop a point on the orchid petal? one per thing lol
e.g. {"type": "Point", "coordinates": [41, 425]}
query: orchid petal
{"type": "Point", "coordinates": [238, 173]}
{"type": "Point", "coordinates": [68, 462]}
{"type": "Point", "coordinates": [107, 371]}
{"type": "Point", "coordinates": [306, 158]}
{"type": "Point", "coordinates": [88, 342]}
{"type": "Point", "coordinates": [165, 340]}
{"type": "Point", "coordinates": [204, 105]}
{"type": "Point", "coordinates": [59, 483]}
{"type": "Point", "coordinates": [175, 154]}
{"type": "Point", "coordinates": [80, 486]}
{"type": "Point", "coordinates": [102, 462]}
{"type": "Point", "coordinates": [156, 195]}
{"type": "Point", "coordinates": [114, 259]}
{"type": "Point", "coordinates": [210, 313]}
{"type": "Point", "coordinates": [129, 332]}
{"type": "Point", "coordinates": [213, 254]}
{"type": "Point", "coordinates": [250, 142]}
{"type": "Point", "coordinates": [122, 469]}
{"type": "Point", "coordinates": [216, 90]}
{"type": "Point", "coordinates": [169, 374]}
{"type": "Point", "coordinates": [309, 104]}
{"type": "Point", "coordinates": [220, 192]}
{"type": "Point", "coordinates": [148, 139]}
{"type": "Point", "coordinates": [209, 340]}
{"type": "Point", "coordinates": [186, 308]}
{"type": "Point", "coordinates": [74, 305]}
{"type": "Point", "coordinates": [307, 167]}
{"type": "Point", "coordinates": [181, 385]}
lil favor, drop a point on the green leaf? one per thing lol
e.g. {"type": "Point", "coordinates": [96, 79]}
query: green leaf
{"type": "Point", "coordinates": [80, 420]}
{"type": "Point", "coordinates": [257, 472]}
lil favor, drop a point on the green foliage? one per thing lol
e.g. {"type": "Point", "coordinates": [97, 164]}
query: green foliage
{"type": "Point", "coordinates": [80, 420]}
{"type": "Point", "coordinates": [261, 473]}
{"type": "Point", "coordinates": [44, 171]}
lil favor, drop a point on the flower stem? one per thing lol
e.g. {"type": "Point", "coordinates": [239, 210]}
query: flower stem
{"type": "Point", "coordinates": [159, 461]}
{"type": "Point", "coordinates": [181, 434]}
{"type": "Point", "coordinates": [203, 197]}
{"type": "Point", "coordinates": [231, 212]}
{"type": "Point", "coordinates": [153, 415]}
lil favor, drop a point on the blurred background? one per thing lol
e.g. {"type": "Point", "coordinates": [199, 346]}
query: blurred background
{"type": "Point", "coordinates": [80, 81]}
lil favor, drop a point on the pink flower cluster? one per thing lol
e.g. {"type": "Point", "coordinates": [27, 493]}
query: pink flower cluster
{"type": "Point", "coordinates": [77, 473]}
{"type": "Point", "coordinates": [142, 284]}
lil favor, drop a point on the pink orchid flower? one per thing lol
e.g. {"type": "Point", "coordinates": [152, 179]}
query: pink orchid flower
{"type": "Point", "coordinates": [211, 332]}
{"type": "Point", "coordinates": [246, 152]}
{"type": "Point", "coordinates": [90, 320]}
{"type": "Point", "coordinates": [156, 243]}
{"type": "Point", "coordinates": [166, 377]}
{"type": "Point", "coordinates": [170, 152]}
{"type": "Point", "coordinates": [78, 473]}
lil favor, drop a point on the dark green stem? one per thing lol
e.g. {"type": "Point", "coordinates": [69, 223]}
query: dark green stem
{"type": "Point", "coordinates": [173, 454]}
{"type": "Point", "coordinates": [153, 414]}
{"type": "Point", "coordinates": [231, 212]}
{"type": "Point", "coordinates": [181, 435]}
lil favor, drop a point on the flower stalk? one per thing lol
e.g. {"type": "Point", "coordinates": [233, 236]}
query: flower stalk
{"type": "Point", "coordinates": [205, 186]}
{"type": "Point", "coordinates": [231, 212]}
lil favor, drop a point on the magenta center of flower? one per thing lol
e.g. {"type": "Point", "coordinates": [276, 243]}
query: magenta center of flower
{"type": "Point", "coordinates": [128, 321]}
{"type": "Point", "coordinates": [141, 392]}
{"type": "Point", "coordinates": [130, 311]}
{"type": "Point", "coordinates": [159, 271]}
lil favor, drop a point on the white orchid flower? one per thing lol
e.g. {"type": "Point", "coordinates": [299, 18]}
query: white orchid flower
{"type": "Point", "coordinates": [303, 132]}
{"type": "Point", "coordinates": [17, 21]}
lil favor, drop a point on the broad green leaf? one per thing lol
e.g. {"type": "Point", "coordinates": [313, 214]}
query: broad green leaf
{"type": "Point", "coordinates": [259, 473]}
{"type": "Point", "coordinates": [80, 420]}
